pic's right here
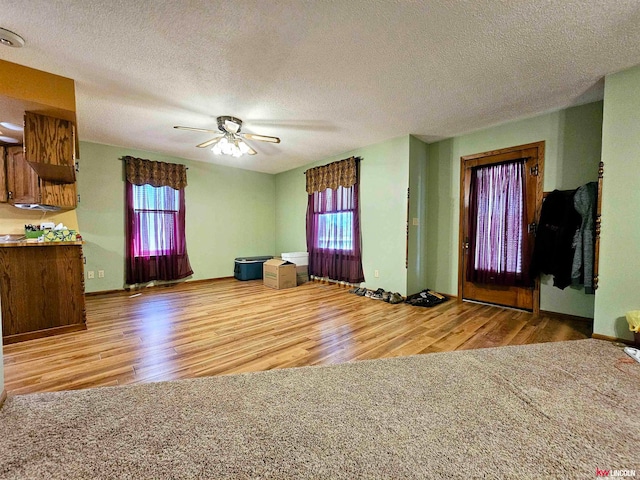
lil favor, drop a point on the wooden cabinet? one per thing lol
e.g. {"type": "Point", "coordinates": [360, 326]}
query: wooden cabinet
{"type": "Point", "coordinates": [43, 171]}
{"type": "Point", "coordinates": [63, 195]}
{"type": "Point", "coordinates": [49, 140]}
{"type": "Point", "coordinates": [22, 180]}
{"type": "Point", "coordinates": [41, 290]}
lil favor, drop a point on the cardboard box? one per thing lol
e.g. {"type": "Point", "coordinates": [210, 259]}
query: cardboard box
{"type": "Point", "coordinates": [302, 274]}
{"type": "Point", "coordinates": [278, 273]}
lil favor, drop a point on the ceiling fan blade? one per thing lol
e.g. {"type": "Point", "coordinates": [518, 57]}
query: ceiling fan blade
{"type": "Point", "coordinates": [250, 150]}
{"type": "Point", "coordinates": [261, 138]}
{"type": "Point", "coordinates": [208, 142]}
{"type": "Point", "coordinates": [193, 129]}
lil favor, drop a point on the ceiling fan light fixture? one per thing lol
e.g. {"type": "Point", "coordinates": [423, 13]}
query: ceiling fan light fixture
{"type": "Point", "coordinates": [232, 140]}
{"type": "Point", "coordinates": [244, 148]}
{"type": "Point", "coordinates": [12, 126]}
{"type": "Point", "coordinates": [237, 151]}
{"type": "Point", "coordinates": [228, 145]}
{"type": "Point", "coordinates": [216, 147]}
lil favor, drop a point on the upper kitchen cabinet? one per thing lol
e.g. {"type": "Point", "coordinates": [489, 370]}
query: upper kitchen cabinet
{"type": "Point", "coordinates": [45, 104]}
{"type": "Point", "coordinates": [49, 146]}
{"type": "Point", "coordinates": [22, 181]}
{"type": "Point", "coordinates": [49, 140]}
{"type": "Point", "coordinates": [24, 89]}
{"type": "Point", "coordinates": [41, 174]}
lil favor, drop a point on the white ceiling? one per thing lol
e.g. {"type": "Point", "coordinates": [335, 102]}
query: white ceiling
{"type": "Point", "coordinates": [326, 76]}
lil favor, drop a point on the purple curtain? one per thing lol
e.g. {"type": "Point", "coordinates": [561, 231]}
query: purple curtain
{"type": "Point", "coordinates": [498, 247]}
{"type": "Point", "coordinates": [155, 231]}
{"type": "Point", "coordinates": [333, 234]}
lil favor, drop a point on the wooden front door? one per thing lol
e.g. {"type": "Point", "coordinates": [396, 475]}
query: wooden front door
{"type": "Point", "coordinates": [522, 297]}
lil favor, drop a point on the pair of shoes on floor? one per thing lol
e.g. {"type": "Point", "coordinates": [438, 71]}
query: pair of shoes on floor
{"type": "Point", "coordinates": [633, 353]}
{"type": "Point", "coordinates": [377, 295]}
{"type": "Point", "coordinates": [395, 298]}
{"type": "Point", "coordinates": [426, 298]}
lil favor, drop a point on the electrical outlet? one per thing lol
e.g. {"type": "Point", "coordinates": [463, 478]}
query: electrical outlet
{"type": "Point", "coordinates": [100, 273]}
{"type": "Point", "coordinates": [376, 273]}
{"type": "Point", "coordinates": [416, 222]}
{"type": "Point", "coordinates": [91, 274]}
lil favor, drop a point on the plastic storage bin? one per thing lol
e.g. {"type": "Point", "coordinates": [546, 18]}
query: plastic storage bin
{"type": "Point", "coordinates": [249, 268]}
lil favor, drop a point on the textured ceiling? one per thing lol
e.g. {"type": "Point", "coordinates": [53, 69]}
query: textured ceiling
{"type": "Point", "coordinates": [325, 76]}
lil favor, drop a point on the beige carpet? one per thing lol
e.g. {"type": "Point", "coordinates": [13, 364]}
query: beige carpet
{"type": "Point", "coordinates": [555, 410]}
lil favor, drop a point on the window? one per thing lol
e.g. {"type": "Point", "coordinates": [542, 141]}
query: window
{"type": "Point", "coordinates": [497, 223]}
{"type": "Point", "coordinates": [156, 210]}
{"type": "Point", "coordinates": [335, 231]}
{"type": "Point", "coordinates": [499, 219]}
{"type": "Point", "coordinates": [334, 219]}
{"type": "Point", "coordinates": [333, 224]}
{"type": "Point", "coordinates": [156, 244]}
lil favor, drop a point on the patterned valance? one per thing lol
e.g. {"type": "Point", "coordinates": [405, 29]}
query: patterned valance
{"type": "Point", "coordinates": [334, 175]}
{"type": "Point", "coordinates": [157, 174]}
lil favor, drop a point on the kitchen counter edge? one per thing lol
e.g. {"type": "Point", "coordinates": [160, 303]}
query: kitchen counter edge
{"type": "Point", "coordinates": [40, 244]}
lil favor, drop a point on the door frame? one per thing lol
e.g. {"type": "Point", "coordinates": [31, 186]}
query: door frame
{"type": "Point", "coordinates": [540, 147]}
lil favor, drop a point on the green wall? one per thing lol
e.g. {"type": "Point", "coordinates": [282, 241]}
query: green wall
{"type": "Point", "coordinates": [384, 179]}
{"type": "Point", "coordinates": [619, 267]}
{"type": "Point", "coordinates": [230, 213]}
{"type": "Point", "coordinates": [572, 153]}
{"type": "Point", "coordinates": [417, 264]}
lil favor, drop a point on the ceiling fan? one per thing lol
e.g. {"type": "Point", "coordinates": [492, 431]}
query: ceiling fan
{"type": "Point", "coordinates": [231, 140]}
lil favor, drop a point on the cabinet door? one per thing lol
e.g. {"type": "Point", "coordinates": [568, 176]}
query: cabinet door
{"type": "Point", "coordinates": [48, 139]}
{"type": "Point", "coordinates": [61, 195]}
{"type": "Point", "coordinates": [22, 181]}
{"type": "Point", "coordinates": [51, 141]}
{"type": "Point", "coordinates": [3, 176]}
{"type": "Point", "coordinates": [42, 289]}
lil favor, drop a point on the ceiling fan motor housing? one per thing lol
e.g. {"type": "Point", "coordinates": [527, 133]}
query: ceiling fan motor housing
{"type": "Point", "coordinates": [225, 118]}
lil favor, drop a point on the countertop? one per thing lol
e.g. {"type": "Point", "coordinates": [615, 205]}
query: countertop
{"type": "Point", "coordinates": [38, 244]}
{"type": "Point", "coordinates": [18, 240]}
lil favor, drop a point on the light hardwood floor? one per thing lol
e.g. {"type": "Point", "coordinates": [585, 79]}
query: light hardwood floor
{"type": "Point", "coordinates": [227, 326]}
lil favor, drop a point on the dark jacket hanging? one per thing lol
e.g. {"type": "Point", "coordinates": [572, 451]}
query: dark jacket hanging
{"type": "Point", "coordinates": [554, 248]}
{"type": "Point", "coordinates": [585, 204]}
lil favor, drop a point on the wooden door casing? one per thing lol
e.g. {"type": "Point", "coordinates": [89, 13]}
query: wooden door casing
{"type": "Point", "coordinates": [3, 176]}
{"type": "Point", "coordinates": [517, 297]}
